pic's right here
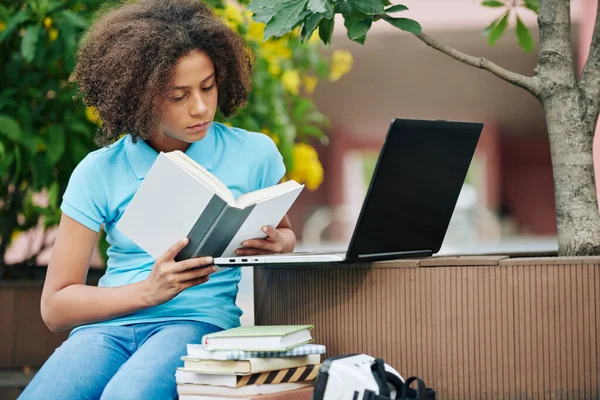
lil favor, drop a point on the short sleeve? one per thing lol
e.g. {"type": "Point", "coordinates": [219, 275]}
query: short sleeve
{"type": "Point", "coordinates": [85, 197]}
{"type": "Point", "coordinates": [268, 161]}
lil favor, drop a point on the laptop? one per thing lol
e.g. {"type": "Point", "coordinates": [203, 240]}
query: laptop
{"type": "Point", "coordinates": [419, 174]}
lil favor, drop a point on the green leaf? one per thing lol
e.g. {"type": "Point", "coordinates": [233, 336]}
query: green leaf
{"type": "Point", "coordinates": [317, 6]}
{"type": "Point", "coordinates": [371, 7]}
{"type": "Point", "coordinates": [396, 8]}
{"type": "Point", "coordinates": [405, 24]}
{"type": "Point", "coordinates": [533, 5]}
{"type": "Point", "coordinates": [29, 41]}
{"type": "Point", "coordinates": [357, 24]}
{"type": "Point", "coordinates": [300, 108]}
{"type": "Point", "coordinates": [14, 22]}
{"type": "Point", "coordinates": [493, 3]}
{"type": "Point", "coordinates": [496, 29]}
{"type": "Point", "coordinates": [10, 128]}
{"type": "Point", "coordinates": [524, 36]}
{"type": "Point", "coordinates": [326, 30]}
{"type": "Point", "coordinates": [5, 164]}
{"type": "Point", "coordinates": [310, 25]}
{"type": "Point", "coordinates": [286, 18]}
{"type": "Point", "coordinates": [264, 10]}
{"type": "Point", "coordinates": [53, 195]}
{"type": "Point", "coordinates": [75, 19]}
{"type": "Point", "coordinates": [56, 144]}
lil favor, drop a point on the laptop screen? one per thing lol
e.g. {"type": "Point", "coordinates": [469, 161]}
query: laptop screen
{"type": "Point", "coordinates": [415, 186]}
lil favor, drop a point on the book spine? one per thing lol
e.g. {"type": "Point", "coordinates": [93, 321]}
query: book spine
{"type": "Point", "coordinates": [296, 374]}
{"type": "Point", "coordinates": [222, 231]}
{"type": "Point", "coordinates": [215, 207]}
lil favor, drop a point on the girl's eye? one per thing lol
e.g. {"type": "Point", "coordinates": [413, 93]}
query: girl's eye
{"type": "Point", "coordinates": [178, 98]}
{"type": "Point", "coordinates": [208, 88]}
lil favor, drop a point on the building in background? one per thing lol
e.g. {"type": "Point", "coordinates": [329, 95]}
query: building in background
{"type": "Point", "coordinates": [507, 203]}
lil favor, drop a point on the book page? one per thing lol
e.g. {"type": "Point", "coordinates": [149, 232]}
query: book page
{"type": "Point", "coordinates": [273, 191]}
{"type": "Point", "coordinates": [266, 212]}
{"type": "Point", "coordinates": [165, 207]}
{"type": "Point", "coordinates": [202, 174]}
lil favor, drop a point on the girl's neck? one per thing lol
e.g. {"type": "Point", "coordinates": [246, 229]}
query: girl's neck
{"type": "Point", "coordinates": [165, 143]}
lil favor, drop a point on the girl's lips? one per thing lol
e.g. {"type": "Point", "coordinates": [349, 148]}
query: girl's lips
{"type": "Point", "coordinates": [198, 127]}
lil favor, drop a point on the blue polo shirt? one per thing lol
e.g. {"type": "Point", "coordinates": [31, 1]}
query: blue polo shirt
{"type": "Point", "coordinates": [103, 184]}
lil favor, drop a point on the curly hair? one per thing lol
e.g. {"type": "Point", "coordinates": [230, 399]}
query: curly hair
{"type": "Point", "coordinates": [127, 57]}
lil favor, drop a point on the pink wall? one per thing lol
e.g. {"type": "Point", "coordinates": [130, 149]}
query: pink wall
{"type": "Point", "coordinates": [528, 186]}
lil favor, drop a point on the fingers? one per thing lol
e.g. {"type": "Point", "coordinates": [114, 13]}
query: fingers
{"type": "Point", "coordinates": [249, 251]}
{"type": "Point", "coordinates": [194, 263]}
{"type": "Point", "coordinates": [271, 244]}
{"type": "Point", "coordinates": [272, 233]}
{"type": "Point", "coordinates": [170, 254]}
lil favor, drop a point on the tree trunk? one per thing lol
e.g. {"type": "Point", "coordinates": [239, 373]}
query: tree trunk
{"type": "Point", "coordinates": [571, 131]}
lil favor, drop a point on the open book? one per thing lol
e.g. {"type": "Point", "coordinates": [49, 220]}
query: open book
{"type": "Point", "coordinates": [180, 198]}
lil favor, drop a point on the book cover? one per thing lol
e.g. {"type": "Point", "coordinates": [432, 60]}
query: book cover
{"type": "Point", "coordinates": [259, 338]}
{"type": "Point", "coordinates": [198, 351]}
{"type": "Point", "coordinates": [246, 367]}
{"type": "Point", "coordinates": [304, 373]}
{"type": "Point", "coordinates": [179, 198]}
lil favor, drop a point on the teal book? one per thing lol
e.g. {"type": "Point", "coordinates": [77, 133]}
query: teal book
{"type": "Point", "coordinates": [259, 338]}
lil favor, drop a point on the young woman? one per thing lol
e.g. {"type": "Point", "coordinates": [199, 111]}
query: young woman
{"type": "Point", "coordinates": [156, 71]}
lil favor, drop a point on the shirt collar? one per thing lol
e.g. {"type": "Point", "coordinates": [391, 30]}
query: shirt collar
{"type": "Point", "coordinates": [141, 156]}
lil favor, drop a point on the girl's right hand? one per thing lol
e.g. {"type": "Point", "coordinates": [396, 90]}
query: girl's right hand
{"type": "Point", "coordinates": [169, 277]}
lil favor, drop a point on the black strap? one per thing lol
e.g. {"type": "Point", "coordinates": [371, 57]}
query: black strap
{"type": "Point", "coordinates": [421, 393]}
{"type": "Point", "coordinates": [379, 373]}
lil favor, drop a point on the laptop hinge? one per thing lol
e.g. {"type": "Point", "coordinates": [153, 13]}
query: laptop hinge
{"type": "Point", "coordinates": [394, 255]}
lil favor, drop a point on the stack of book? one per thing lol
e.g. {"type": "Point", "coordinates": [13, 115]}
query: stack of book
{"type": "Point", "coordinates": [251, 362]}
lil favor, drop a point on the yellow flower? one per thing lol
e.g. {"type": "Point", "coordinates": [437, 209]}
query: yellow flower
{"type": "Point", "coordinates": [41, 147]}
{"type": "Point", "coordinates": [309, 83]}
{"type": "Point", "coordinates": [307, 167]}
{"type": "Point", "coordinates": [274, 68]}
{"type": "Point", "coordinates": [314, 38]}
{"type": "Point", "coordinates": [47, 23]}
{"type": "Point", "coordinates": [2, 26]}
{"type": "Point", "coordinates": [341, 64]}
{"type": "Point", "coordinates": [14, 235]}
{"type": "Point", "coordinates": [53, 34]}
{"type": "Point", "coordinates": [256, 31]}
{"type": "Point", "coordinates": [234, 14]}
{"type": "Point", "coordinates": [273, 137]}
{"type": "Point", "coordinates": [276, 49]}
{"type": "Point", "coordinates": [92, 115]}
{"type": "Point", "coordinates": [227, 124]}
{"type": "Point", "coordinates": [291, 81]}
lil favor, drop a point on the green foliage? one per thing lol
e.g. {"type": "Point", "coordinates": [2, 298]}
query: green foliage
{"type": "Point", "coordinates": [497, 28]}
{"type": "Point", "coordinates": [283, 16]}
{"type": "Point", "coordinates": [43, 132]}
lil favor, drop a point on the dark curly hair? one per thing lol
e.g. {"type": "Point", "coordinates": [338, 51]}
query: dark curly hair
{"type": "Point", "coordinates": [126, 58]}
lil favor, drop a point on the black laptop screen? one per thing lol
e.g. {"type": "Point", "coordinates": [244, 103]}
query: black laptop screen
{"type": "Point", "coordinates": [413, 192]}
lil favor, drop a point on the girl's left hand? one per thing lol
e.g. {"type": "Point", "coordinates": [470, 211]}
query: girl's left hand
{"type": "Point", "coordinates": [273, 243]}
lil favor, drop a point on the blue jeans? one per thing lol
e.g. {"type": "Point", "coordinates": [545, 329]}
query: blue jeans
{"type": "Point", "coordinates": [117, 362]}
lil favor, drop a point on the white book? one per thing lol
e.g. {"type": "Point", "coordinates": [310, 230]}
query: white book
{"type": "Point", "coordinates": [246, 367]}
{"type": "Point", "coordinates": [179, 198]}
{"type": "Point", "coordinates": [198, 351]}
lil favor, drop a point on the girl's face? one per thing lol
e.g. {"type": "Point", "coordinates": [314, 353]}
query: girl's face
{"type": "Point", "coordinates": [191, 103]}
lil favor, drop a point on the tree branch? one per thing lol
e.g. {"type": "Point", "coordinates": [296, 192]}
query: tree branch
{"type": "Point", "coordinates": [590, 77]}
{"type": "Point", "coordinates": [528, 83]}
{"type": "Point", "coordinates": [555, 63]}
